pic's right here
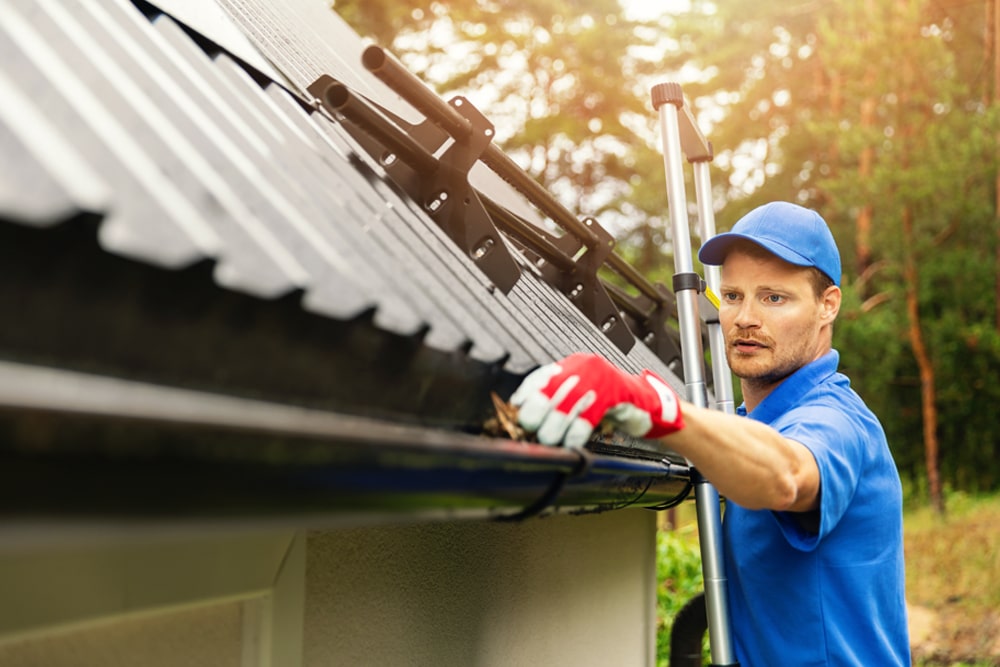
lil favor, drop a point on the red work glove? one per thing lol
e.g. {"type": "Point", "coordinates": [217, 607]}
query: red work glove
{"type": "Point", "coordinates": [563, 402]}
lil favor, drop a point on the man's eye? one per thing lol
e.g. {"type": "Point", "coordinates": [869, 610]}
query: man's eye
{"type": "Point", "coordinates": [730, 296]}
{"type": "Point", "coordinates": [774, 298]}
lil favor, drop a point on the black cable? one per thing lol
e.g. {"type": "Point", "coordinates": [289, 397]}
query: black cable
{"type": "Point", "coordinates": [551, 494]}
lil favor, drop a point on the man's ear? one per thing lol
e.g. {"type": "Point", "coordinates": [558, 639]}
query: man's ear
{"type": "Point", "coordinates": [830, 303]}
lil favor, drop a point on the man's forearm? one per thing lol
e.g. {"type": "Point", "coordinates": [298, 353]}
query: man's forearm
{"type": "Point", "coordinates": [748, 462]}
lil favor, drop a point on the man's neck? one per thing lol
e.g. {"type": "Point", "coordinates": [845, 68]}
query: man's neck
{"type": "Point", "coordinates": [755, 390]}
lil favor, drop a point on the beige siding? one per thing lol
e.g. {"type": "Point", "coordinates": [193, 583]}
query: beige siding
{"type": "Point", "coordinates": [208, 636]}
{"type": "Point", "coordinates": [555, 591]}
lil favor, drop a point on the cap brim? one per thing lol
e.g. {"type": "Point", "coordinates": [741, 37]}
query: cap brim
{"type": "Point", "coordinates": [713, 252]}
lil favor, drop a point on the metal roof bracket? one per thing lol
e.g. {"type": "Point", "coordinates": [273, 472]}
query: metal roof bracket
{"type": "Point", "coordinates": [583, 287]}
{"type": "Point", "coordinates": [430, 161]}
{"type": "Point", "coordinates": [650, 319]}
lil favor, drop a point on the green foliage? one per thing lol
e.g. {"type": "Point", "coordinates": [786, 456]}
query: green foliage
{"type": "Point", "coordinates": [929, 153]}
{"type": "Point", "coordinates": [880, 106]}
{"type": "Point", "coordinates": [679, 578]}
{"type": "Point", "coordinates": [876, 356]}
{"type": "Point", "coordinates": [819, 88]}
{"type": "Point", "coordinates": [560, 79]}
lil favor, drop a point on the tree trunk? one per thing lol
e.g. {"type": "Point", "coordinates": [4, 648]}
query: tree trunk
{"type": "Point", "coordinates": [863, 221]}
{"type": "Point", "coordinates": [993, 53]}
{"type": "Point", "coordinates": [911, 279]}
{"type": "Point", "coordinates": [928, 390]}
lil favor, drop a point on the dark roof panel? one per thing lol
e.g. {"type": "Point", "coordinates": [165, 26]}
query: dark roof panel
{"type": "Point", "coordinates": [212, 162]}
{"type": "Point", "coordinates": [304, 40]}
{"type": "Point", "coordinates": [214, 285]}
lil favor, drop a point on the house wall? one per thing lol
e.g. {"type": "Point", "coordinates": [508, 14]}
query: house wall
{"type": "Point", "coordinates": [554, 591]}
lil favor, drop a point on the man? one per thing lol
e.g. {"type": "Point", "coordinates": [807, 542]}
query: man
{"type": "Point", "coordinates": [813, 521]}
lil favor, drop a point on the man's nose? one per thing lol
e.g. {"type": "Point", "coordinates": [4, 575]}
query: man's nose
{"type": "Point", "coordinates": [746, 316]}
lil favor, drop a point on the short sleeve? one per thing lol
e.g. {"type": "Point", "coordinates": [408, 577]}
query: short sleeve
{"type": "Point", "coordinates": [837, 444]}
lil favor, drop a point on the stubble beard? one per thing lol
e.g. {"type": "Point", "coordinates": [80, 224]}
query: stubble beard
{"type": "Point", "coordinates": [756, 375]}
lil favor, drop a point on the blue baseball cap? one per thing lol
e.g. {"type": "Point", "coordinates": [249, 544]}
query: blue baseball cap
{"type": "Point", "coordinates": [797, 235]}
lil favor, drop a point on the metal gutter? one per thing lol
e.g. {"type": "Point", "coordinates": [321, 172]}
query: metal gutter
{"type": "Point", "coordinates": [77, 446]}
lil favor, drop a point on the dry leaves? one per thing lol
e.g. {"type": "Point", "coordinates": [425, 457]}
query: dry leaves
{"type": "Point", "coordinates": [504, 423]}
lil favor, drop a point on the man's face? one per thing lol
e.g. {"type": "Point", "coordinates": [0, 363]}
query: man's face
{"type": "Point", "coordinates": [773, 322]}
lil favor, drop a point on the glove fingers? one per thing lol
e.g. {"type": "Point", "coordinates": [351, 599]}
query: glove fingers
{"type": "Point", "coordinates": [533, 405]}
{"type": "Point", "coordinates": [536, 406]}
{"type": "Point", "coordinates": [558, 424]}
{"type": "Point", "coordinates": [534, 382]}
{"type": "Point", "coordinates": [533, 411]}
{"type": "Point", "coordinates": [578, 433]}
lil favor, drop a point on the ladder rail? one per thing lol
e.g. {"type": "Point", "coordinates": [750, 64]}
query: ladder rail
{"type": "Point", "coordinates": [668, 101]}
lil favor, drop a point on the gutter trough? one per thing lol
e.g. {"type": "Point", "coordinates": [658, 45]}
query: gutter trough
{"type": "Point", "coordinates": [77, 447]}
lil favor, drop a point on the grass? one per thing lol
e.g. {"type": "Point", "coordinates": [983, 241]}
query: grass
{"type": "Point", "coordinates": [955, 558]}
{"type": "Point", "coordinates": [953, 570]}
{"type": "Point", "coordinates": [952, 575]}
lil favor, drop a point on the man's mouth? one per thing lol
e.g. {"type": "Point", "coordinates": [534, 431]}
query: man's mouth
{"type": "Point", "coordinates": [747, 345]}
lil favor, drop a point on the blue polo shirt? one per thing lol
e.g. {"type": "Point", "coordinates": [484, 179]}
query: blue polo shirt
{"type": "Point", "coordinates": [828, 590]}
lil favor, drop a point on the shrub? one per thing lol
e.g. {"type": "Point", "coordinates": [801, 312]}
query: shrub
{"type": "Point", "coordinates": [679, 578]}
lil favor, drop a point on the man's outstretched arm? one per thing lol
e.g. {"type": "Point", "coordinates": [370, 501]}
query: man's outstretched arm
{"type": "Point", "coordinates": [748, 462]}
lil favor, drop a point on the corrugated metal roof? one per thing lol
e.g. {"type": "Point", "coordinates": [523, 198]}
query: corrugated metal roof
{"type": "Point", "coordinates": [185, 153]}
{"type": "Point", "coordinates": [187, 236]}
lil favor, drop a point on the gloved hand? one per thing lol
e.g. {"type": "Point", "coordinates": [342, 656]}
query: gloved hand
{"type": "Point", "coordinates": [563, 402]}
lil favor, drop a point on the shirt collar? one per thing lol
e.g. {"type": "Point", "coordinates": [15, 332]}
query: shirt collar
{"type": "Point", "coordinates": [787, 394]}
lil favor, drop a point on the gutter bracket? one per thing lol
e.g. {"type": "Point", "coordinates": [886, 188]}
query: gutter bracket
{"type": "Point", "coordinates": [551, 495]}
